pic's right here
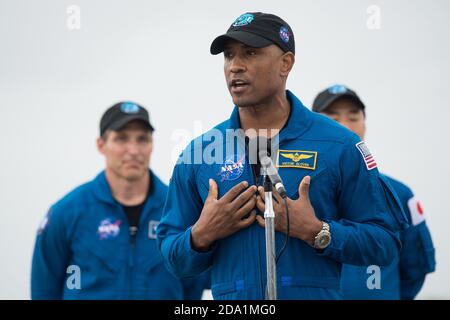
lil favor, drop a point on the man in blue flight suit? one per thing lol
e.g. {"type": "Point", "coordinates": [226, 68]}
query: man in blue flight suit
{"type": "Point", "coordinates": [98, 242]}
{"type": "Point", "coordinates": [340, 210]}
{"type": "Point", "coordinates": [404, 277]}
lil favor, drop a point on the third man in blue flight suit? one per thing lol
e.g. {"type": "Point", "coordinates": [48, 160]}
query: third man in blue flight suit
{"type": "Point", "coordinates": [340, 210]}
{"type": "Point", "coordinates": [404, 277]}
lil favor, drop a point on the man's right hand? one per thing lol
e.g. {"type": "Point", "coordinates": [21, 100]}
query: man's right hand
{"type": "Point", "coordinates": [223, 217]}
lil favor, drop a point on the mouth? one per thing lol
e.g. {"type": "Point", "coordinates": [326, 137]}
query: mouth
{"type": "Point", "coordinates": [135, 164]}
{"type": "Point", "coordinates": [238, 86]}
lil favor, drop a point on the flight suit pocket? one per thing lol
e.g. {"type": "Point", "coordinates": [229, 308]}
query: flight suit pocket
{"type": "Point", "coordinates": [228, 290]}
{"type": "Point", "coordinates": [292, 178]}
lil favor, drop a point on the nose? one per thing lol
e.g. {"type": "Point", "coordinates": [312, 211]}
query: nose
{"type": "Point", "coordinates": [133, 148]}
{"type": "Point", "coordinates": [237, 65]}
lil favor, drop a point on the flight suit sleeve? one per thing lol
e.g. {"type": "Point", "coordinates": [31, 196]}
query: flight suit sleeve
{"type": "Point", "coordinates": [50, 258]}
{"type": "Point", "coordinates": [182, 209]}
{"type": "Point", "coordinates": [371, 216]}
{"type": "Point", "coordinates": [417, 257]}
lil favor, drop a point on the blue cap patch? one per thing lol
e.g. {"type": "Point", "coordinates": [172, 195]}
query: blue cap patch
{"type": "Point", "coordinates": [284, 34]}
{"type": "Point", "coordinates": [129, 107]}
{"type": "Point", "coordinates": [243, 20]}
{"type": "Point", "coordinates": [337, 89]}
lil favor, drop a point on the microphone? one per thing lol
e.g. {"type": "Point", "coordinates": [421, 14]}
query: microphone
{"type": "Point", "coordinates": [272, 172]}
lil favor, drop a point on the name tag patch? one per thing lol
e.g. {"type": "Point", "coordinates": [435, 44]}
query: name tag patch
{"type": "Point", "coordinates": [299, 159]}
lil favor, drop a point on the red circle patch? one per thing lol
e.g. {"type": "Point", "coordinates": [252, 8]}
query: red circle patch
{"type": "Point", "coordinates": [419, 208]}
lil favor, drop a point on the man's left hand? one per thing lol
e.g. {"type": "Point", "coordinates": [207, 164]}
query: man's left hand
{"type": "Point", "coordinates": [303, 222]}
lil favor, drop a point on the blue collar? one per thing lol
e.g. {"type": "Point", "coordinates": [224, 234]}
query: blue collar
{"type": "Point", "coordinates": [102, 191]}
{"type": "Point", "coordinates": [298, 123]}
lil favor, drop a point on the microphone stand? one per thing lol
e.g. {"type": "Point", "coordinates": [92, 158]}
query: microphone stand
{"type": "Point", "coordinates": [269, 216]}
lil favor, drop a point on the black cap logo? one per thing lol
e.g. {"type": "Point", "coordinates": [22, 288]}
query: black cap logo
{"type": "Point", "coordinates": [243, 20]}
{"type": "Point", "coordinates": [337, 89]}
{"type": "Point", "coordinates": [284, 34]}
{"type": "Point", "coordinates": [129, 107]}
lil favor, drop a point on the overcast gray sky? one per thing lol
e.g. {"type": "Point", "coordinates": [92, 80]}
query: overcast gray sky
{"type": "Point", "coordinates": [55, 82]}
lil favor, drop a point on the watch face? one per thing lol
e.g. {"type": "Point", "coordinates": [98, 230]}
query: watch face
{"type": "Point", "coordinates": [323, 241]}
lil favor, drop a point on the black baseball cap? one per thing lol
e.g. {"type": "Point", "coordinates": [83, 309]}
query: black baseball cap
{"type": "Point", "coordinates": [257, 30]}
{"type": "Point", "coordinates": [120, 114]}
{"type": "Point", "coordinates": [325, 98]}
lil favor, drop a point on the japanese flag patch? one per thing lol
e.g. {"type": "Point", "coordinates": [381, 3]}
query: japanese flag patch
{"type": "Point", "coordinates": [367, 156]}
{"type": "Point", "coordinates": [416, 211]}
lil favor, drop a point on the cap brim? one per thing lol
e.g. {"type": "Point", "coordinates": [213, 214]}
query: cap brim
{"type": "Point", "coordinates": [328, 102]}
{"type": "Point", "coordinates": [247, 38]}
{"type": "Point", "coordinates": [125, 120]}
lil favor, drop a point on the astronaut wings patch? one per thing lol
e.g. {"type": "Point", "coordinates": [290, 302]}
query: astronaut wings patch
{"type": "Point", "coordinates": [368, 158]}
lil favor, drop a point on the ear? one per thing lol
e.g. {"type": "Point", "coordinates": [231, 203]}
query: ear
{"type": "Point", "coordinates": [287, 63]}
{"type": "Point", "coordinates": [100, 145]}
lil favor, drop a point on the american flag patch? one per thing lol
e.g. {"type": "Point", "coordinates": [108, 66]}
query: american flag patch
{"type": "Point", "coordinates": [367, 156]}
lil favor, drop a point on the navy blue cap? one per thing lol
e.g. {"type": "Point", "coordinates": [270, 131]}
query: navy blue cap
{"type": "Point", "coordinates": [325, 98]}
{"type": "Point", "coordinates": [257, 30]}
{"type": "Point", "coordinates": [121, 113]}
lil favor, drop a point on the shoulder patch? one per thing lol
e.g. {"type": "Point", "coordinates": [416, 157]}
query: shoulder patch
{"type": "Point", "coordinates": [416, 210]}
{"type": "Point", "coordinates": [44, 222]}
{"type": "Point", "coordinates": [367, 155]}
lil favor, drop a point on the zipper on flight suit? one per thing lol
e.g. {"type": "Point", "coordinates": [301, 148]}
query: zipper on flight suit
{"type": "Point", "coordinates": [132, 232]}
{"type": "Point", "coordinates": [133, 235]}
{"type": "Point", "coordinates": [131, 254]}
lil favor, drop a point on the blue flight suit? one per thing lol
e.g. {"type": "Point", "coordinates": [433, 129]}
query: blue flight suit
{"type": "Point", "coordinates": [88, 231]}
{"type": "Point", "coordinates": [363, 213]}
{"type": "Point", "coordinates": [404, 277]}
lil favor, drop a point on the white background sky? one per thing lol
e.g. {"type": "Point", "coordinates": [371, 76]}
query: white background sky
{"type": "Point", "coordinates": [55, 84]}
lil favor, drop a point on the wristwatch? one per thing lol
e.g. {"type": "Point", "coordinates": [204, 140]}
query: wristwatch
{"type": "Point", "coordinates": [323, 238]}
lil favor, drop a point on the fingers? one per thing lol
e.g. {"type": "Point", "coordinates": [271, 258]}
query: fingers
{"type": "Point", "coordinates": [261, 221]}
{"type": "Point", "coordinates": [244, 223]}
{"type": "Point", "coordinates": [277, 203]}
{"type": "Point", "coordinates": [260, 204]}
{"type": "Point", "coordinates": [261, 192]}
{"type": "Point", "coordinates": [234, 192]}
{"type": "Point", "coordinates": [244, 198]}
{"type": "Point", "coordinates": [213, 191]}
{"type": "Point", "coordinates": [246, 208]}
{"type": "Point", "coordinates": [278, 226]}
{"type": "Point", "coordinates": [303, 189]}
{"type": "Point", "coordinates": [275, 195]}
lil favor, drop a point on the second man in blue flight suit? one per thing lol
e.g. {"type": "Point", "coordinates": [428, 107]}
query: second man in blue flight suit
{"type": "Point", "coordinates": [99, 241]}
